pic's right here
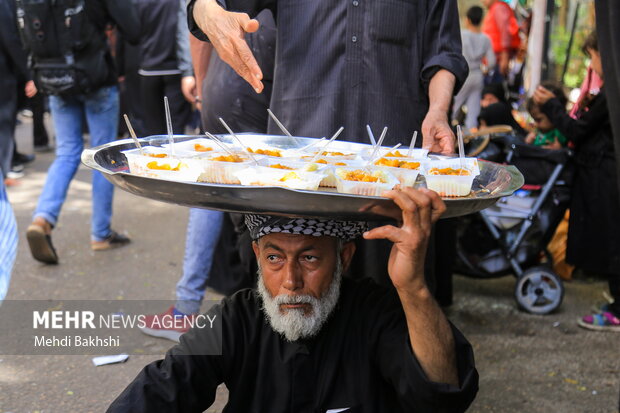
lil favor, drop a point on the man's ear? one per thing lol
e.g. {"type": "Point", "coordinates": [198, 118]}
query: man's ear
{"type": "Point", "coordinates": [256, 249]}
{"type": "Point", "coordinates": [346, 255]}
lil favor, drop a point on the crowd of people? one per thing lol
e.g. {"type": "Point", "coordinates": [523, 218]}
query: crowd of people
{"type": "Point", "coordinates": [125, 57]}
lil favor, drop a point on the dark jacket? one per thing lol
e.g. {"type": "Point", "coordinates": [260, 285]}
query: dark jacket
{"type": "Point", "coordinates": [159, 45]}
{"type": "Point", "coordinates": [594, 227]}
{"type": "Point", "coordinates": [13, 68]}
{"type": "Point", "coordinates": [120, 14]}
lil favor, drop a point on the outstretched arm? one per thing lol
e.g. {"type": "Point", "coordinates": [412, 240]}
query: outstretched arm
{"type": "Point", "coordinates": [430, 334]}
{"type": "Point", "coordinates": [226, 31]}
{"type": "Point", "coordinates": [436, 132]}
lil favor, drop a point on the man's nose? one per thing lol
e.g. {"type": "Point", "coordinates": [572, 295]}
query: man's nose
{"type": "Point", "coordinates": [292, 276]}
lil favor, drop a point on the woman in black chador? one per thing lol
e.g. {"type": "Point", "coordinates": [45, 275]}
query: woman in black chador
{"type": "Point", "coordinates": [594, 226]}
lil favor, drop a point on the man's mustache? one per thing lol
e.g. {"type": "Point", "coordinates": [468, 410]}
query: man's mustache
{"type": "Point", "coordinates": [285, 299]}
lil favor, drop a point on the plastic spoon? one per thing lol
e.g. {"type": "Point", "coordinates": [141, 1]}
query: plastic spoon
{"type": "Point", "coordinates": [327, 144]}
{"type": "Point", "coordinates": [133, 134]}
{"type": "Point", "coordinates": [412, 144]}
{"type": "Point", "coordinates": [459, 139]}
{"type": "Point", "coordinates": [370, 135]}
{"type": "Point", "coordinates": [169, 125]}
{"type": "Point", "coordinates": [392, 149]}
{"type": "Point", "coordinates": [243, 148]}
{"type": "Point", "coordinates": [378, 145]}
{"type": "Point", "coordinates": [220, 144]}
{"type": "Point", "coordinates": [311, 145]}
{"type": "Point", "coordinates": [280, 125]}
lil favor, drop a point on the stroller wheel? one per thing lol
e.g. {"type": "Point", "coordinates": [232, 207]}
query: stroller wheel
{"type": "Point", "coordinates": [539, 290]}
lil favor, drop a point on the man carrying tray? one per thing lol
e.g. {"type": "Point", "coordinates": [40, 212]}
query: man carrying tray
{"type": "Point", "coordinates": [307, 340]}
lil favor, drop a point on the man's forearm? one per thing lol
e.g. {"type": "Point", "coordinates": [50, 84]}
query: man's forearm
{"type": "Point", "coordinates": [431, 337]}
{"type": "Point", "coordinates": [440, 90]}
{"type": "Point", "coordinates": [201, 55]}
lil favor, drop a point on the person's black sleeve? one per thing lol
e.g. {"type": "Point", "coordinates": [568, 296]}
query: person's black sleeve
{"type": "Point", "coordinates": [442, 43]}
{"type": "Point", "coordinates": [186, 379]}
{"type": "Point", "coordinates": [398, 365]}
{"type": "Point", "coordinates": [576, 130]}
{"type": "Point", "coordinates": [11, 43]}
{"type": "Point", "coordinates": [125, 16]}
{"type": "Point", "coordinates": [251, 7]}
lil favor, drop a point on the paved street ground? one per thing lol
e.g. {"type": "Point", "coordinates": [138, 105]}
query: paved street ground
{"type": "Point", "coordinates": [526, 363]}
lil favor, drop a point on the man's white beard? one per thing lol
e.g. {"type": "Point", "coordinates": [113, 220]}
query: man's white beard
{"type": "Point", "coordinates": [293, 324]}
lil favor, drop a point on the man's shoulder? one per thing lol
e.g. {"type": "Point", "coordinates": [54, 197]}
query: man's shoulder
{"type": "Point", "coordinates": [365, 293]}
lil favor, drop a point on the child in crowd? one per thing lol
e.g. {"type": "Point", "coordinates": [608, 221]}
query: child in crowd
{"type": "Point", "coordinates": [476, 48]}
{"type": "Point", "coordinates": [546, 134]}
{"type": "Point", "coordinates": [594, 228]}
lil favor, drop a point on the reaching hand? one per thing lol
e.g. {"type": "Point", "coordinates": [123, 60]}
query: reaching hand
{"type": "Point", "coordinates": [542, 95]}
{"type": "Point", "coordinates": [419, 210]}
{"type": "Point", "coordinates": [188, 87]}
{"type": "Point", "coordinates": [436, 133]}
{"type": "Point", "coordinates": [226, 31]}
{"type": "Point", "coordinates": [30, 89]}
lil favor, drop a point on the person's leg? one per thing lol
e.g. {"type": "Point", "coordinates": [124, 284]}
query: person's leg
{"type": "Point", "coordinates": [67, 117]}
{"type": "Point", "coordinates": [614, 290]}
{"type": "Point", "coordinates": [37, 105]}
{"type": "Point", "coordinates": [473, 100]}
{"type": "Point", "coordinates": [608, 317]}
{"type": "Point", "coordinates": [152, 91]}
{"type": "Point", "coordinates": [203, 232]}
{"type": "Point", "coordinates": [102, 111]}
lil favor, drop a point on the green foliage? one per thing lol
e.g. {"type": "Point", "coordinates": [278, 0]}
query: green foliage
{"type": "Point", "coordinates": [578, 62]}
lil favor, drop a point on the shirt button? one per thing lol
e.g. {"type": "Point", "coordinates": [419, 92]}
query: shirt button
{"type": "Point", "coordinates": [356, 3]}
{"type": "Point", "coordinates": [354, 39]}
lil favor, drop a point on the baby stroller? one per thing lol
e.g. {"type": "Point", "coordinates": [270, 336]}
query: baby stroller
{"type": "Point", "coordinates": [512, 236]}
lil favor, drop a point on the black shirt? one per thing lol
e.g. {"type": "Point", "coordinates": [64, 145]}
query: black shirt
{"type": "Point", "coordinates": [361, 359]}
{"type": "Point", "coordinates": [357, 62]}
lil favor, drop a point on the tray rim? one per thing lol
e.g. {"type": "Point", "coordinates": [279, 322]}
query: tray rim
{"type": "Point", "coordinates": [88, 159]}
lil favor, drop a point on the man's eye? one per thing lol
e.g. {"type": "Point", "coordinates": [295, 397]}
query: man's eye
{"type": "Point", "coordinates": [272, 258]}
{"type": "Point", "coordinates": [310, 258]}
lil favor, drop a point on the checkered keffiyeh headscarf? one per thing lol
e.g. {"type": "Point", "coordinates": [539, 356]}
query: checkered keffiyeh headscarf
{"type": "Point", "coordinates": [261, 225]}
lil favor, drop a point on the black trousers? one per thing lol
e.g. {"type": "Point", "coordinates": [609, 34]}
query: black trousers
{"type": "Point", "coordinates": [153, 90]}
{"type": "Point", "coordinates": [37, 105]}
{"type": "Point", "coordinates": [8, 116]}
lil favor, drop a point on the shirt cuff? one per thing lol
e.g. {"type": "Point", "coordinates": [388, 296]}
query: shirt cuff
{"type": "Point", "coordinates": [452, 62]}
{"type": "Point", "coordinates": [191, 23]}
{"type": "Point", "coordinates": [443, 393]}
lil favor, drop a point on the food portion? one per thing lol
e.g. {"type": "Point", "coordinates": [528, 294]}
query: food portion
{"type": "Point", "coordinates": [396, 154]}
{"type": "Point", "coordinates": [267, 152]}
{"type": "Point", "coordinates": [202, 148]}
{"type": "Point", "coordinates": [280, 166]}
{"type": "Point", "coordinates": [227, 158]}
{"type": "Point", "coordinates": [359, 175]}
{"type": "Point", "coordinates": [451, 177]}
{"type": "Point", "coordinates": [166, 166]}
{"type": "Point", "coordinates": [449, 171]}
{"type": "Point", "coordinates": [343, 166]}
{"type": "Point", "coordinates": [364, 182]}
{"type": "Point", "coordinates": [398, 163]}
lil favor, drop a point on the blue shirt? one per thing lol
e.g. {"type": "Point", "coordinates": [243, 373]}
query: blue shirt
{"type": "Point", "coordinates": [8, 240]}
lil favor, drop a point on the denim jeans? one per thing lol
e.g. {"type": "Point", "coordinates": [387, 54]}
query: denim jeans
{"type": "Point", "coordinates": [203, 231]}
{"type": "Point", "coordinates": [101, 110]}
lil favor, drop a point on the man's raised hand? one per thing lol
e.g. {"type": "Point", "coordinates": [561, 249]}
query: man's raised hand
{"type": "Point", "coordinates": [420, 209]}
{"type": "Point", "coordinates": [226, 31]}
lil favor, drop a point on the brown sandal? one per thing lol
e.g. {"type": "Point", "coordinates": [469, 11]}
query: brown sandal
{"type": "Point", "coordinates": [41, 245]}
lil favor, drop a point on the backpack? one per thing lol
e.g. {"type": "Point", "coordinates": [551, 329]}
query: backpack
{"type": "Point", "coordinates": [67, 52]}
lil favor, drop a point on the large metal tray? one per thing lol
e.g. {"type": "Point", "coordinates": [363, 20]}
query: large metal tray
{"type": "Point", "coordinates": [495, 181]}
